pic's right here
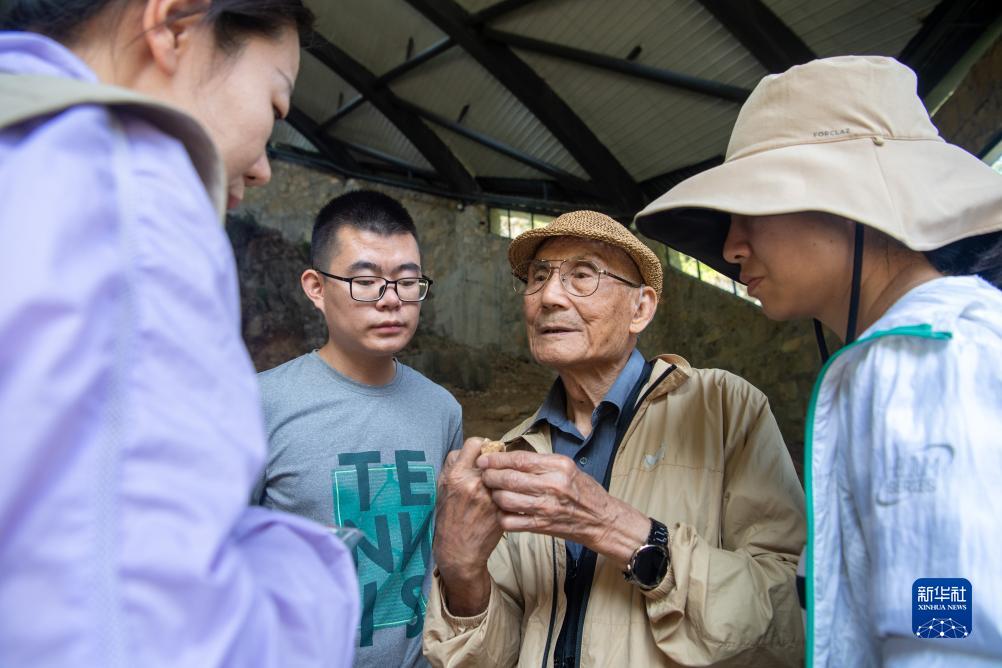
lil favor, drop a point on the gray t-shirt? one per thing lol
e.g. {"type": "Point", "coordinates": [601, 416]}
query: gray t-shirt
{"type": "Point", "coordinates": [344, 453]}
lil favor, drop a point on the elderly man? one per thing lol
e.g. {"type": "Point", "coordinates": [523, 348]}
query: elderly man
{"type": "Point", "coordinates": [647, 514]}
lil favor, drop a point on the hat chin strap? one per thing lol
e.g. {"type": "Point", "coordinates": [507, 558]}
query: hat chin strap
{"type": "Point", "coordinates": [857, 271]}
{"type": "Point", "coordinates": [819, 334]}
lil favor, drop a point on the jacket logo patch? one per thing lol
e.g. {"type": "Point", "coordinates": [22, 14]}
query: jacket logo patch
{"type": "Point", "coordinates": [650, 461]}
{"type": "Point", "coordinates": [915, 474]}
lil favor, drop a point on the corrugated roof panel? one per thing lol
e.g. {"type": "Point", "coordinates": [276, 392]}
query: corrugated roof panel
{"type": "Point", "coordinates": [482, 161]}
{"type": "Point", "coordinates": [368, 127]}
{"type": "Point", "coordinates": [284, 133]}
{"type": "Point", "coordinates": [650, 128]}
{"type": "Point", "coordinates": [859, 27]}
{"type": "Point", "coordinates": [451, 81]}
{"type": "Point", "coordinates": [680, 36]}
{"type": "Point", "coordinates": [318, 89]}
{"type": "Point", "coordinates": [374, 32]}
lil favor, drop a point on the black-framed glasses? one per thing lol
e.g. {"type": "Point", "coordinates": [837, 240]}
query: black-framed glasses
{"type": "Point", "coordinates": [372, 288]}
{"type": "Point", "coordinates": [579, 277]}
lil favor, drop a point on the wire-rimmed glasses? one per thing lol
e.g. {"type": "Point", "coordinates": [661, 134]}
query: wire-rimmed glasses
{"type": "Point", "coordinates": [579, 277]}
{"type": "Point", "coordinates": [372, 288]}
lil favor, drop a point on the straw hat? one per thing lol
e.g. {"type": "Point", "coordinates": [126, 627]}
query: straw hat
{"type": "Point", "coordinates": [587, 225]}
{"type": "Point", "coordinates": [846, 136]}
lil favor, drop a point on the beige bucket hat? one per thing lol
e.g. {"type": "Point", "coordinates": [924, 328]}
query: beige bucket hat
{"type": "Point", "coordinates": [846, 136]}
{"type": "Point", "coordinates": [587, 225]}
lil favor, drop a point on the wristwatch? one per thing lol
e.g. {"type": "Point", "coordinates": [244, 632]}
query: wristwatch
{"type": "Point", "coordinates": [650, 561]}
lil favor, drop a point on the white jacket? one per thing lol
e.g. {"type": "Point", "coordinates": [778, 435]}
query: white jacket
{"type": "Point", "coordinates": [904, 444]}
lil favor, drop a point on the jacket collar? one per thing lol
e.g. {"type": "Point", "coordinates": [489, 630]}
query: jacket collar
{"type": "Point", "coordinates": [534, 433]}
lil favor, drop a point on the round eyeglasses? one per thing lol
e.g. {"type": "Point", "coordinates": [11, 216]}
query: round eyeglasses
{"type": "Point", "coordinates": [372, 288]}
{"type": "Point", "coordinates": [578, 276]}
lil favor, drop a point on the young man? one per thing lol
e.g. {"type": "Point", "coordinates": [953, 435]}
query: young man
{"type": "Point", "coordinates": [356, 438]}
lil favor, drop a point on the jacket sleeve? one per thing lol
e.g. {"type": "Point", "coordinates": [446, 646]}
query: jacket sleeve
{"type": "Point", "coordinates": [920, 467]}
{"type": "Point", "coordinates": [737, 600]}
{"type": "Point", "coordinates": [492, 638]}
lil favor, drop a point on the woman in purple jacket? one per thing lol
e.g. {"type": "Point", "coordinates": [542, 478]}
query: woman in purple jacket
{"type": "Point", "coordinates": [130, 430]}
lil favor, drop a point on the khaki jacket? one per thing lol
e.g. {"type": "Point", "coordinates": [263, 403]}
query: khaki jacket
{"type": "Point", "coordinates": [703, 455]}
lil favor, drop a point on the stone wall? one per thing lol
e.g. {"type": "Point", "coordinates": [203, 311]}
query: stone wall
{"type": "Point", "coordinates": [472, 325]}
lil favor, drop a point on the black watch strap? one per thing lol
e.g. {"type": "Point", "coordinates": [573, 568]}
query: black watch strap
{"type": "Point", "coordinates": [658, 535]}
{"type": "Point", "coordinates": [650, 561]}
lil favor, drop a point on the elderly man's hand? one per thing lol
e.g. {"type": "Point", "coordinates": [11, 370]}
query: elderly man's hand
{"type": "Point", "coordinates": [548, 494]}
{"type": "Point", "coordinates": [467, 530]}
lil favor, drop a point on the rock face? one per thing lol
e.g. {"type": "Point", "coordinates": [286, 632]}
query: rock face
{"type": "Point", "coordinates": [471, 337]}
{"type": "Point", "coordinates": [279, 322]}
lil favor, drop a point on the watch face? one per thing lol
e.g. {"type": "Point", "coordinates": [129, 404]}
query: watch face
{"type": "Point", "coordinates": [650, 565]}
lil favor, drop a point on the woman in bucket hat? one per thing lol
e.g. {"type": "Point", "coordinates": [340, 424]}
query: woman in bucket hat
{"type": "Point", "coordinates": [839, 201]}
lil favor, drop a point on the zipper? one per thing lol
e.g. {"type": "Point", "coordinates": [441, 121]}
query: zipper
{"type": "Point", "coordinates": [608, 472]}
{"type": "Point", "coordinates": [553, 607]}
{"type": "Point", "coordinates": [633, 408]}
{"type": "Point", "coordinates": [924, 331]}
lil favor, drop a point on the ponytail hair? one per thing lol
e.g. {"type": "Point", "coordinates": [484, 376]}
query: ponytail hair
{"type": "Point", "coordinates": [980, 256]}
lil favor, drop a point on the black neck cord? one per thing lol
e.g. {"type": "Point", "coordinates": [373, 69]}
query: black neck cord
{"type": "Point", "coordinates": [857, 266]}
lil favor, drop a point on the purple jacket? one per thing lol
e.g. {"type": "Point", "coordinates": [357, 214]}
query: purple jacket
{"type": "Point", "coordinates": [130, 427]}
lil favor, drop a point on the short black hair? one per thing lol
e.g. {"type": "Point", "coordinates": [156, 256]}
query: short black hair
{"type": "Point", "coordinates": [233, 21]}
{"type": "Point", "coordinates": [365, 210]}
{"type": "Point", "coordinates": [979, 256]}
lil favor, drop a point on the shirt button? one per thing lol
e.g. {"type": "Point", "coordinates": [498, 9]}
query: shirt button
{"type": "Point", "coordinates": [583, 462]}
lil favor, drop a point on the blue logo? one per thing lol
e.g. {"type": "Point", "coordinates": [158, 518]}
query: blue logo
{"type": "Point", "coordinates": [942, 608]}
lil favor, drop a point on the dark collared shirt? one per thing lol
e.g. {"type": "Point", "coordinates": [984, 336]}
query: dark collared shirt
{"type": "Point", "coordinates": [591, 454]}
